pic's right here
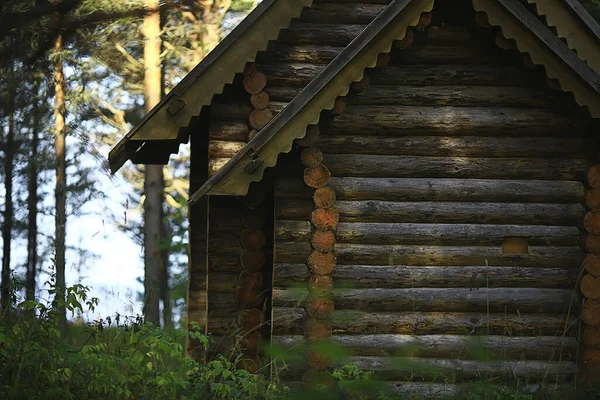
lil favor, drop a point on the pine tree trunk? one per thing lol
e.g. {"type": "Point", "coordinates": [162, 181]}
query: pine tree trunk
{"type": "Point", "coordinates": [32, 200]}
{"type": "Point", "coordinates": [8, 203]}
{"type": "Point", "coordinates": [153, 175]}
{"type": "Point", "coordinates": [165, 294]}
{"type": "Point", "coordinates": [207, 29]}
{"type": "Point", "coordinates": [61, 179]}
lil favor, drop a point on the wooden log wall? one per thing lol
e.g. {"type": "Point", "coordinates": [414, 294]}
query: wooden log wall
{"type": "Point", "coordinates": [450, 147]}
{"type": "Point", "coordinates": [590, 282]}
{"type": "Point", "coordinates": [239, 258]}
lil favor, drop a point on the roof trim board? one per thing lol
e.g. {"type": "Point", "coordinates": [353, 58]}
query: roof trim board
{"type": "Point", "coordinates": [545, 48]}
{"type": "Point", "coordinates": [209, 77]}
{"type": "Point", "coordinates": [569, 26]}
{"type": "Point", "coordinates": [590, 23]}
{"type": "Point", "coordinates": [278, 136]}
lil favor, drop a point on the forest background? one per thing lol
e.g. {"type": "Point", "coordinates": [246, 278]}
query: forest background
{"type": "Point", "coordinates": [75, 77]}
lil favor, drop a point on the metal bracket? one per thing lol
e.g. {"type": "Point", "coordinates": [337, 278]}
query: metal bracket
{"type": "Point", "coordinates": [253, 164]}
{"type": "Point", "coordinates": [176, 105]}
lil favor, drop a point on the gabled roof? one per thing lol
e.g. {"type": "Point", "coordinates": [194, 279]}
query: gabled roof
{"type": "Point", "coordinates": [516, 21]}
{"type": "Point", "coordinates": [163, 123]}
{"type": "Point", "coordinates": [574, 64]}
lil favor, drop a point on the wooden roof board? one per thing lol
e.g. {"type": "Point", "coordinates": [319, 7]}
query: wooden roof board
{"type": "Point", "coordinates": [545, 48]}
{"type": "Point", "coordinates": [209, 77]}
{"type": "Point", "coordinates": [278, 136]}
{"type": "Point", "coordinates": [575, 25]}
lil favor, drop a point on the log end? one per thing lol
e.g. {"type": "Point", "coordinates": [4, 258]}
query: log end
{"type": "Point", "coordinates": [320, 285]}
{"type": "Point", "coordinates": [324, 197]}
{"type": "Point", "coordinates": [325, 218]}
{"type": "Point", "coordinates": [317, 177]}
{"type": "Point", "coordinates": [323, 241]}
{"type": "Point", "coordinates": [319, 307]}
{"type": "Point", "coordinates": [321, 263]}
{"type": "Point", "coordinates": [311, 157]}
{"type": "Point", "coordinates": [317, 330]}
{"type": "Point", "coordinates": [310, 138]}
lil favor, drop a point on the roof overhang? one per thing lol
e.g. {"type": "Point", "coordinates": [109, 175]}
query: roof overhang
{"type": "Point", "coordinates": [162, 125]}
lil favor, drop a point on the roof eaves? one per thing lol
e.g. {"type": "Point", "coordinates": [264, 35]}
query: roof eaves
{"type": "Point", "coordinates": [209, 77]}
{"type": "Point", "coordinates": [249, 163]}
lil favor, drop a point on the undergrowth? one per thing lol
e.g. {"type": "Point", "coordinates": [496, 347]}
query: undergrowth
{"type": "Point", "coordinates": [125, 358]}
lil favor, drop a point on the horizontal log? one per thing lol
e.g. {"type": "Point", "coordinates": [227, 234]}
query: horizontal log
{"type": "Point", "coordinates": [401, 368]}
{"type": "Point", "coordinates": [533, 300]}
{"type": "Point", "coordinates": [291, 74]}
{"type": "Point", "coordinates": [448, 54]}
{"type": "Point", "coordinates": [440, 212]}
{"type": "Point", "coordinates": [538, 256]}
{"type": "Point", "coordinates": [223, 282]}
{"type": "Point", "coordinates": [466, 146]}
{"type": "Point", "coordinates": [356, 254]}
{"type": "Point", "coordinates": [488, 121]}
{"type": "Point", "coordinates": [241, 110]}
{"type": "Point", "coordinates": [300, 32]}
{"type": "Point", "coordinates": [224, 149]}
{"type": "Point", "coordinates": [215, 164]}
{"type": "Point", "coordinates": [408, 276]}
{"type": "Point", "coordinates": [283, 53]}
{"type": "Point", "coordinates": [231, 130]}
{"type": "Point", "coordinates": [455, 189]}
{"type": "Point", "coordinates": [379, 166]}
{"type": "Point", "coordinates": [459, 96]}
{"type": "Point", "coordinates": [454, 74]}
{"type": "Point", "coordinates": [341, 13]}
{"type": "Point", "coordinates": [289, 321]}
{"type": "Point", "coordinates": [447, 346]}
{"type": "Point", "coordinates": [439, 234]}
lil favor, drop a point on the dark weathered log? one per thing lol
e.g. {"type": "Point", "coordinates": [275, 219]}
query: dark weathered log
{"type": "Point", "coordinates": [317, 177]}
{"type": "Point", "coordinates": [313, 379]}
{"type": "Point", "coordinates": [224, 149]}
{"type": "Point", "coordinates": [452, 55]}
{"type": "Point", "coordinates": [448, 346]}
{"type": "Point", "coordinates": [322, 34]}
{"type": "Point", "coordinates": [260, 101]}
{"type": "Point", "coordinates": [258, 119]}
{"type": "Point", "coordinates": [466, 146]}
{"type": "Point", "coordinates": [453, 75]}
{"type": "Point", "coordinates": [310, 138]}
{"type": "Point", "coordinates": [223, 282]}
{"type": "Point", "coordinates": [321, 263]}
{"type": "Point", "coordinates": [325, 218]}
{"type": "Point", "coordinates": [496, 96]}
{"type": "Point", "coordinates": [443, 299]}
{"type": "Point", "coordinates": [488, 121]}
{"type": "Point", "coordinates": [255, 219]}
{"type": "Point", "coordinates": [231, 130]}
{"type": "Point", "coordinates": [387, 277]}
{"type": "Point", "coordinates": [378, 166]}
{"type": "Point", "coordinates": [233, 109]}
{"type": "Point", "coordinates": [441, 212]}
{"type": "Point", "coordinates": [292, 74]}
{"type": "Point", "coordinates": [311, 54]}
{"type": "Point", "coordinates": [590, 287]}
{"type": "Point", "coordinates": [455, 189]}
{"type": "Point", "coordinates": [353, 254]}
{"type": "Point", "coordinates": [591, 312]}
{"type": "Point", "coordinates": [255, 82]}
{"type": "Point", "coordinates": [405, 368]}
{"type": "Point", "coordinates": [439, 234]}
{"type": "Point", "coordinates": [593, 176]}
{"type": "Point", "coordinates": [288, 321]}
{"type": "Point", "coordinates": [342, 13]}
{"type": "Point", "coordinates": [539, 256]}
{"type": "Point", "coordinates": [223, 325]}
{"type": "Point", "coordinates": [592, 264]}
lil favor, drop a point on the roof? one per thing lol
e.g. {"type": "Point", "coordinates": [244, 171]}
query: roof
{"type": "Point", "coordinates": [575, 63]}
{"type": "Point", "coordinates": [164, 121]}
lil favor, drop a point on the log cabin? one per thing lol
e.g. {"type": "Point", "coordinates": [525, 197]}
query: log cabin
{"type": "Point", "coordinates": [403, 178]}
